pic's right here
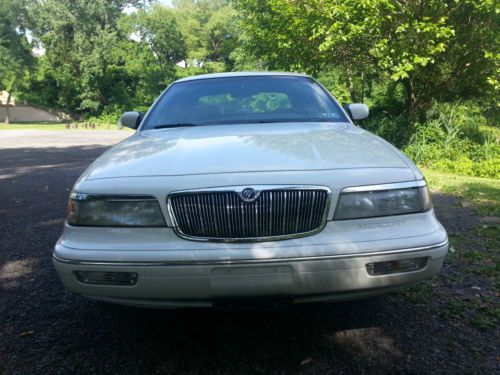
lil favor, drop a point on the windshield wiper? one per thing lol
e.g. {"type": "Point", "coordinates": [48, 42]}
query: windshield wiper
{"type": "Point", "coordinates": [177, 125]}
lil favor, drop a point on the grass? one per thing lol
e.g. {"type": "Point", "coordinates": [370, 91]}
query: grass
{"type": "Point", "coordinates": [479, 246]}
{"type": "Point", "coordinates": [421, 293]}
{"type": "Point", "coordinates": [483, 193]}
{"type": "Point", "coordinates": [467, 294]}
{"type": "Point", "coordinates": [481, 311]}
{"type": "Point", "coordinates": [59, 126]}
{"type": "Point", "coordinates": [479, 250]}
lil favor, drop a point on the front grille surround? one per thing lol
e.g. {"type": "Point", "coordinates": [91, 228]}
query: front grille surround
{"type": "Point", "coordinates": [223, 194]}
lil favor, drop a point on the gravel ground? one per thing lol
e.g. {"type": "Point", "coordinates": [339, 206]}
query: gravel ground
{"type": "Point", "coordinates": [47, 330]}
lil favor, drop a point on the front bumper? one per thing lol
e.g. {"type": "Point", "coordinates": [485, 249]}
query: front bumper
{"type": "Point", "coordinates": [198, 283]}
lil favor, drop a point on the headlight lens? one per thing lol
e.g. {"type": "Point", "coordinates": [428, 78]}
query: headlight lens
{"type": "Point", "coordinates": [114, 211]}
{"type": "Point", "coordinates": [365, 202]}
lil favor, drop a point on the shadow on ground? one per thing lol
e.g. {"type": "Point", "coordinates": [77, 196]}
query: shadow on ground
{"type": "Point", "coordinates": [45, 329]}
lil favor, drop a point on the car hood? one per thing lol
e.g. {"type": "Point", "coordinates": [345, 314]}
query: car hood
{"type": "Point", "coordinates": [245, 148]}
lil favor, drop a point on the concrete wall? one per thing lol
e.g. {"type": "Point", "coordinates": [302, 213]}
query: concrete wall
{"type": "Point", "coordinates": [4, 96]}
{"type": "Point", "coordinates": [27, 113]}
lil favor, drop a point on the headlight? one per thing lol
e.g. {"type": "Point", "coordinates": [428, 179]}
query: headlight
{"type": "Point", "coordinates": [383, 200]}
{"type": "Point", "coordinates": [114, 211]}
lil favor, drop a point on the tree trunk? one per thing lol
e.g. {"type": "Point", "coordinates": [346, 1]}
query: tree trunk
{"type": "Point", "coordinates": [351, 88]}
{"type": "Point", "coordinates": [362, 87]}
{"type": "Point", "coordinates": [7, 110]}
{"type": "Point", "coordinates": [411, 99]}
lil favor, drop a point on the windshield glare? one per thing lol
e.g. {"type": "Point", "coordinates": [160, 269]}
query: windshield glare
{"type": "Point", "coordinates": [250, 99]}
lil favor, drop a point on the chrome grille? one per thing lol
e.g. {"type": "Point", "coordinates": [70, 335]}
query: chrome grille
{"type": "Point", "coordinates": [276, 213]}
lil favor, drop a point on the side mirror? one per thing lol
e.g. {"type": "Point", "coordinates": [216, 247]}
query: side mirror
{"type": "Point", "coordinates": [357, 111]}
{"type": "Point", "coordinates": [131, 119]}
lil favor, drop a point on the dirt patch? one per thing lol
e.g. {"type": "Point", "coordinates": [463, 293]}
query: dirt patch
{"type": "Point", "coordinates": [456, 215]}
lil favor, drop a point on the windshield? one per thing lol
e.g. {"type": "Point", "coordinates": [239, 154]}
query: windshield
{"type": "Point", "coordinates": [237, 100]}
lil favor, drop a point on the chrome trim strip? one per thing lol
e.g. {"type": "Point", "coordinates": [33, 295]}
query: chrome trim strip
{"type": "Point", "coordinates": [397, 185]}
{"type": "Point", "coordinates": [238, 189]}
{"type": "Point", "coordinates": [247, 261]}
{"type": "Point", "coordinates": [112, 197]}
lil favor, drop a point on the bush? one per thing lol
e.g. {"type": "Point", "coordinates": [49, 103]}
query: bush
{"type": "Point", "coordinates": [459, 120]}
{"type": "Point", "coordinates": [396, 129]}
{"type": "Point", "coordinates": [487, 168]}
{"type": "Point", "coordinates": [461, 165]}
{"type": "Point", "coordinates": [457, 138]}
{"type": "Point", "coordinates": [111, 115]}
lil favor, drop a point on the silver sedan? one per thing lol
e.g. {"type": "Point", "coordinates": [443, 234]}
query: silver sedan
{"type": "Point", "coordinates": [245, 187]}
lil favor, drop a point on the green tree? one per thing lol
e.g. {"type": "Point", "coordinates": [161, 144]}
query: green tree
{"type": "Point", "coordinates": [211, 32]}
{"type": "Point", "coordinates": [15, 50]}
{"type": "Point", "coordinates": [406, 42]}
{"type": "Point", "coordinates": [471, 66]}
{"type": "Point", "coordinates": [157, 29]}
{"type": "Point", "coordinates": [80, 40]}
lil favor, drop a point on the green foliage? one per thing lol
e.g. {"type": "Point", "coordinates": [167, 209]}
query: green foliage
{"type": "Point", "coordinates": [434, 49]}
{"type": "Point", "coordinates": [334, 82]}
{"type": "Point", "coordinates": [100, 60]}
{"type": "Point", "coordinates": [15, 51]}
{"type": "Point", "coordinates": [81, 61]}
{"type": "Point", "coordinates": [109, 116]}
{"type": "Point", "coordinates": [158, 29]}
{"type": "Point", "coordinates": [396, 128]}
{"type": "Point", "coordinates": [112, 114]}
{"type": "Point", "coordinates": [211, 33]}
{"type": "Point", "coordinates": [456, 138]}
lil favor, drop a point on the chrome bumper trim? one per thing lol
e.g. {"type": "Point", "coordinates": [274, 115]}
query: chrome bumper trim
{"type": "Point", "coordinates": [246, 261]}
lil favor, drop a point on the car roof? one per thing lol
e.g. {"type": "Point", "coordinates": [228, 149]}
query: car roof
{"type": "Point", "coordinates": [240, 74]}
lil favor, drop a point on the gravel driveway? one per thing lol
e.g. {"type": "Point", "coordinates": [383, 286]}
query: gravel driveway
{"type": "Point", "coordinates": [46, 330]}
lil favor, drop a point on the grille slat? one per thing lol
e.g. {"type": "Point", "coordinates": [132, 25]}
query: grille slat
{"type": "Point", "coordinates": [222, 215]}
